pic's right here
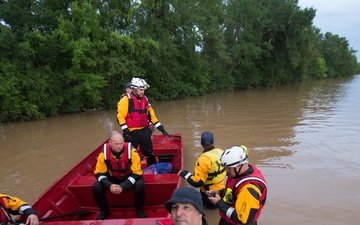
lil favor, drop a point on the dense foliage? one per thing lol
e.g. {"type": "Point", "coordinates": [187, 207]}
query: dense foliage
{"type": "Point", "coordinates": [66, 56]}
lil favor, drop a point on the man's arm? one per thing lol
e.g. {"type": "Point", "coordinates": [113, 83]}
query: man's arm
{"type": "Point", "coordinates": [200, 172]}
{"type": "Point", "coordinates": [122, 111]}
{"type": "Point", "coordinates": [100, 171]}
{"type": "Point", "coordinates": [17, 206]}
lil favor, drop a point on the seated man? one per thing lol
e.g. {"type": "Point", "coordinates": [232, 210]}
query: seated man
{"type": "Point", "coordinates": [15, 206]}
{"type": "Point", "coordinates": [118, 169]}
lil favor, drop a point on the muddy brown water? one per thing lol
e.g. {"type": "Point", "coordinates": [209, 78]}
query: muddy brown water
{"type": "Point", "coordinates": [304, 137]}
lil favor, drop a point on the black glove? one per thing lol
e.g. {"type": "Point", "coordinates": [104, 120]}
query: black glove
{"type": "Point", "coordinates": [151, 127]}
{"type": "Point", "coordinates": [185, 174]}
{"type": "Point", "coordinates": [126, 134]}
{"type": "Point", "coordinates": [163, 131]}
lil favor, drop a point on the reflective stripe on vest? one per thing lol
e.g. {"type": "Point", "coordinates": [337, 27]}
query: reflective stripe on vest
{"type": "Point", "coordinates": [119, 169]}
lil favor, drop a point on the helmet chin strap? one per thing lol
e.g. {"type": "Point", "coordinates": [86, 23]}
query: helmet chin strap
{"type": "Point", "coordinates": [237, 172]}
{"type": "Point", "coordinates": [134, 92]}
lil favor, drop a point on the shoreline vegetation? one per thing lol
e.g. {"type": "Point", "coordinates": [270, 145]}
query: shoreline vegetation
{"type": "Point", "coordinates": [72, 56]}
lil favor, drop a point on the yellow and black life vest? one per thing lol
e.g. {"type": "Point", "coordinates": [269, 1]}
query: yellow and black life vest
{"type": "Point", "coordinates": [217, 172]}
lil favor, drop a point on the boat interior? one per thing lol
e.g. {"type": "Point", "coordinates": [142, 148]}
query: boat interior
{"type": "Point", "coordinates": [70, 198]}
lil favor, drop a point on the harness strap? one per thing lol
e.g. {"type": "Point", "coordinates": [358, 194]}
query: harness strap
{"type": "Point", "coordinates": [107, 158]}
{"type": "Point", "coordinates": [214, 174]}
{"type": "Point", "coordinates": [138, 110]}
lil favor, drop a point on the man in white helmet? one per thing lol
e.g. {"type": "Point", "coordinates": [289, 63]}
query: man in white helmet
{"type": "Point", "coordinates": [245, 189]}
{"type": "Point", "coordinates": [134, 113]}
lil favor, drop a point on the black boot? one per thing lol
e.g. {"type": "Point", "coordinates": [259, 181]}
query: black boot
{"type": "Point", "coordinates": [140, 213]}
{"type": "Point", "coordinates": [101, 201]}
{"type": "Point", "coordinates": [103, 214]}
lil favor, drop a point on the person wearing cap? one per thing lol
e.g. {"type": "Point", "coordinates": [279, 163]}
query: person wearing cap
{"type": "Point", "coordinates": [209, 174]}
{"type": "Point", "coordinates": [185, 207]}
{"type": "Point", "coordinates": [134, 115]}
{"type": "Point", "coordinates": [15, 206]}
{"type": "Point", "coordinates": [127, 88]}
{"type": "Point", "coordinates": [245, 189]}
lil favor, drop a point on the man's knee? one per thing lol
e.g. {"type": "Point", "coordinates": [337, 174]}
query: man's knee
{"type": "Point", "coordinates": [98, 188]}
{"type": "Point", "coordinates": [139, 186]}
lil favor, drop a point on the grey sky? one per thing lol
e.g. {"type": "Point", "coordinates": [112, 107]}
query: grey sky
{"type": "Point", "coordinates": [339, 17]}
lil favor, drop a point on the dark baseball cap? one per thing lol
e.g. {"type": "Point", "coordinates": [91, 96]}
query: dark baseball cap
{"type": "Point", "coordinates": [128, 85]}
{"type": "Point", "coordinates": [186, 195]}
{"type": "Point", "coordinates": [207, 138]}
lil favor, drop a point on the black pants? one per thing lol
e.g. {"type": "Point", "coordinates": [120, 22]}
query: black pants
{"type": "Point", "coordinates": [143, 138]}
{"type": "Point", "coordinates": [101, 201]}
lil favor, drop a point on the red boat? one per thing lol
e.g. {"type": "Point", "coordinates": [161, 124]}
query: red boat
{"type": "Point", "coordinates": [69, 200]}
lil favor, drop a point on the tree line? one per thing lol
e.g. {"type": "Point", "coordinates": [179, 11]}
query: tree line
{"type": "Point", "coordinates": [64, 56]}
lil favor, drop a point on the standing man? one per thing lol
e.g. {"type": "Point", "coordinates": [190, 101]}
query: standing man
{"type": "Point", "coordinates": [15, 206]}
{"type": "Point", "coordinates": [133, 113]}
{"type": "Point", "coordinates": [185, 207]}
{"type": "Point", "coordinates": [128, 90]}
{"type": "Point", "coordinates": [209, 174]}
{"type": "Point", "coordinates": [245, 187]}
{"type": "Point", "coordinates": [118, 169]}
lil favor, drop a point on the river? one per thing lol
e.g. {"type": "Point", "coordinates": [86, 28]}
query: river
{"type": "Point", "coordinates": [303, 137]}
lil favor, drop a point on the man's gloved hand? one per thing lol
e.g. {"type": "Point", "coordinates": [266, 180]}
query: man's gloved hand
{"type": "Point", "coordinates": [163, 131]}
{"type": "Point", "coordinates": [185, 174]}
{"type": "Point", "coordinates": [151, 127]}
{"type": "Point", "coordinates": [126, 134]}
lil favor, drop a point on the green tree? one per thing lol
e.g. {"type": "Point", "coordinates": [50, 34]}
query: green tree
{"type": "Point", "coordinates": [209, 18]}
{"type": "Point", "coordinates": [176, 70]}
{"type": "Point", "coordinates": [245, 20]}
{"type": "Point", "coordinates": [66, 56]}
{"type": "Point", "coordinates": [339, 57]}
{"type": "Point", "coordinates": [289, 32]}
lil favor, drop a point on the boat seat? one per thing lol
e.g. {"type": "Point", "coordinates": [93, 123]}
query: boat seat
{"type": "Point", "coordinates": [158, 188]}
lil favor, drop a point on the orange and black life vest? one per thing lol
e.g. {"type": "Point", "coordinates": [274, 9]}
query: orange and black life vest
{"type": "Point", "coordinates": [137, 112]}
{"type": "Point", "coordinates": [119, 169]}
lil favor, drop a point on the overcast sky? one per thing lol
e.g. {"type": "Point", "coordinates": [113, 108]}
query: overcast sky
{"type": "Point", "coordinates": [341, 17]}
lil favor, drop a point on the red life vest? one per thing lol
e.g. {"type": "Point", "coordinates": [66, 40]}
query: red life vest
{"type": "Point", "coordinates": [236, 184]}
{"type": "Point", "coordinates": [119, 169]}
{"type": "Point", "coordinates": [137, 112]}
{"type": "Point", "coordinates": [4, 216]}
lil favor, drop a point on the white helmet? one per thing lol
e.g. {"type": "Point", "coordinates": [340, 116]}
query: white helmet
{"type": "Point", "coordinates": [139, 83]}
{"type": "Point", "coordinates": [234, 155]}
{"type": "Point", "coordinates": [146, 85]}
